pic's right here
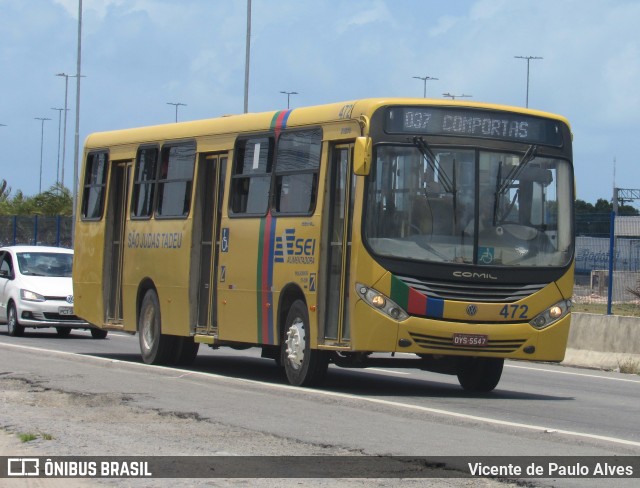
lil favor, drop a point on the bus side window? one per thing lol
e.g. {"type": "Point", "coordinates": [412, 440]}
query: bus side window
{"type": "Point", "coordinates": [95, 182]}
{"type": "Point", "coordinates": [297, 164]}
{"type": "Point", "coordinates": [251, 178]}
{"type": "Point", "coordinates": [144, 182]}
{"type": "Point", "coordinates": [175, 180]}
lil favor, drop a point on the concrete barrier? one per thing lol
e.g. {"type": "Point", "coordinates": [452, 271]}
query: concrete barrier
{"type": "Point", "coordinates": [603, 341]}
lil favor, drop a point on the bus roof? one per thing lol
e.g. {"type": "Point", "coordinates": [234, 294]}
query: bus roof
{"type": "Point", "coordinates": [264, 121]}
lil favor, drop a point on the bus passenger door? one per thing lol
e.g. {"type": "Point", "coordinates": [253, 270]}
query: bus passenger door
{"type": "Point", "coordinates": [338, 209]}
{"type": "Point", "coordinates": [114, 252]}
{"type": "Point", "coordinates": [211, 178]}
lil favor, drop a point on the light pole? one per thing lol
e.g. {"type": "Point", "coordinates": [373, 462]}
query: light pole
{"type": "Point", "coordinates": [176, 105]}
{"type": "Point", "coordinates": [76, 145]}
{"type": "Point", "coordinates": [64, 133]}
{"type": "Point", "coordinates": [425, 79]}
{"type": "Point", "coordinates": [247, 59]}
{"type": "Point", "coordinates": [528, 58]}
{"type": "Point", "coordinates": [43, 120]}
{"type": "Point", "coordinates": [59, 124]}
{"type": "Point", "coordinates": [288, 94]}
{"type": "Point", "coordinates": [453, 97]}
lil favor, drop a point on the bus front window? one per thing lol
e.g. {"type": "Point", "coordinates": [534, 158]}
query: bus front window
{"type": "Point", "coordinates": [469, 206]}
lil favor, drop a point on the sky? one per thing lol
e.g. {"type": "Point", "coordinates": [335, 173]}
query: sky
{"type": "Point", "coordinates": [138, 56]}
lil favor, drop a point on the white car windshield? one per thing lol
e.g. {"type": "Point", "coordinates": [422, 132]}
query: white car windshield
{"type": "Point", "coordinates": [45, 264]}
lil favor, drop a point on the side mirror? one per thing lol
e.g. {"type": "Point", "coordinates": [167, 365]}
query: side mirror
{"type": "Point", "coordinates": [362, 156]}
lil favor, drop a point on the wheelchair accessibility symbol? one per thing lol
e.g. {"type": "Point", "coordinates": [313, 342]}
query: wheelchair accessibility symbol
{"type": "Point", "coordinates": [485, 255]}
{"type": "Point", "coordinates": [224, 241]}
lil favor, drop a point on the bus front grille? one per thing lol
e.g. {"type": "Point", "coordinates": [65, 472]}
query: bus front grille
{"type": "Point", "coordinates": [472, 292]}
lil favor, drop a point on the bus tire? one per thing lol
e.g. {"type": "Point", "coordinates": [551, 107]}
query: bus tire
{"type": "Point", "coordinates": [479, 375]}
{"type": "Point", "coordinates": [303, 366]}
{"type": "Point", "coordinates": [13, 325]}
{"type": "Point", "coordinates": [155, 347]}
{"type": "Point", "coordinates": [98, 333]}
{"type": "Point", "coordinates": [63, 331]}
{"type": "Point", "coordinates": [186, 351]}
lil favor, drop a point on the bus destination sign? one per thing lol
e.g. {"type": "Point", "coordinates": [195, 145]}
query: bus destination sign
{"type": "Point", "coordinates": [445, 121]}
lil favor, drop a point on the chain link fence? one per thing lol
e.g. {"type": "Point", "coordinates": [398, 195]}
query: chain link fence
{"type": "Point", "coordinates": [607, 264]}
{"type": "Point", "coordinates": [36, 230]}
{"type": "Point", "coordinates": [596, 289]}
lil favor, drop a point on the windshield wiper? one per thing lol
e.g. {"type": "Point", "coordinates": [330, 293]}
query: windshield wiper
{"type": "Point", "coordinates": [430, 158]}
{"type": "Point", "coordinates": [529, 155]}
{"type": "Point", "coordinates": [513, 175]}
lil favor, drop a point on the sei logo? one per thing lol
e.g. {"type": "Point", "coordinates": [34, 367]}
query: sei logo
{"type": "Point", "coordinates": [293, 250]}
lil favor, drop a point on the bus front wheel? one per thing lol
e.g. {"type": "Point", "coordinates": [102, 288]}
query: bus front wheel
{"type": "Point", "coordinates": [155, 347]}
{"type": "Point", "coordinates": [479, 375]}
{"type": "Point", "coordinates": [303, 366]}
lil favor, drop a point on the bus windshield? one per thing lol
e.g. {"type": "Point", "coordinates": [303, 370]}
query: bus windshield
{"type": "Point", "coordinates": [461, 205]}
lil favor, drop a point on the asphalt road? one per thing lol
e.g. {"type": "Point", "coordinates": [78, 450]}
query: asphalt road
{"type": "Point", "coordinates": [537, 409]}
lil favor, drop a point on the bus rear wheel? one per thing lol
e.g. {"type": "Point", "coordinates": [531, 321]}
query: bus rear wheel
{"type": "Point", "coordinates": [185, 352]}
{"type": "Point", "coordinates": [479, 375]}
{"type": "Point", "coordinates": [303, 366]}
{"type": "Point", "coordinates": [155, 347]}
{"type": "Point", "coordinates": [98, 333]}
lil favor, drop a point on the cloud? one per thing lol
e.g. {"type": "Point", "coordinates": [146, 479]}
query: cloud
{"type": "Point", "coordinates": [365, 13]}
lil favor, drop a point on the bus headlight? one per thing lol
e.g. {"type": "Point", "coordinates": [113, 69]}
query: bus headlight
{"type": "Point", "coordinates": [381, 302]}
{"type": "Point", "coordinates": [551, 315]}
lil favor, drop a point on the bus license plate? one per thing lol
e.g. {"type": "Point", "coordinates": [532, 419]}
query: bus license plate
{"type": "Point", "coordinates": [472, 340]}
{"type": "Point", "coordinates": [65, 310]}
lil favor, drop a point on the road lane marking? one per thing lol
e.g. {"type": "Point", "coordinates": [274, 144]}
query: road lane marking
{"type": "Point", "coordinates": [388, 403]}
{"type": "Point", "coordinates": [367, 370]}
{"type": "Point", "coordinates": [586, 375]}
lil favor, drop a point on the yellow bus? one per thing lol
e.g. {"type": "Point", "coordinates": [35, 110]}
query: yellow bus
{"type": "Point", "coordinates": [345, 233]}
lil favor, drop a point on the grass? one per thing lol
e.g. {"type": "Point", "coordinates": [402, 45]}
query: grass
{"type": "Point", "coordinates": [30, 436]}
{"type": "Point", "coordinates": [629, 366]}
{"type": "Point", "coordinates": [626, 309]}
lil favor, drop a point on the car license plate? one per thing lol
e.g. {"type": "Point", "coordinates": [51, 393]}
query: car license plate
{"type": "Point", "coordinates": [472, 340]}
{"type": "Point", "coordinates": [65, 310]}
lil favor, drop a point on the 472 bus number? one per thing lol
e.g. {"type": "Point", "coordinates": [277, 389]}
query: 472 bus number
{"type": "Point", "coordinates": [515, 312]}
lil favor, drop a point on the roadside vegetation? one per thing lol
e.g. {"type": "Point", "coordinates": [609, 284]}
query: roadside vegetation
{"type": "Point", "coordinates": [57, 200]}
{"type": "Point", "coordinates": [625, 309]}
{"type": "Point", "coordinates": [30, 436]}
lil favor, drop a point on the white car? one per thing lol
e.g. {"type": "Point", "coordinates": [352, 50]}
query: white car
{"type": "Point", "coordinates": [36, 290]}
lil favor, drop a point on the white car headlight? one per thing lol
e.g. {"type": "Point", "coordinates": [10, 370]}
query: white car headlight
{"type": "Point", "coordinates": [31, 296]}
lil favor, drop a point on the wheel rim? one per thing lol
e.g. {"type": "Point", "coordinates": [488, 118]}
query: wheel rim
{"type": "Point", "coordinates": [148, 333]}
{"type": "Point", "coordinates": [12, 320]}
{"type": "Point", "coordinates": [296, 343]}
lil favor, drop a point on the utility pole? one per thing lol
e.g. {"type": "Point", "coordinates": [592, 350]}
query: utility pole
{"type": "Point", "coordinates": [288, 94]}
{"type": "Point", "coordinates": [43, 120]}
{"type": "Point", "coordinates": [425, 79]}
{"type": "Point", "coordinates": [176, 105]}
{"type": "Point", "coordinates": [528, 58]}
{"type": "Point", "coordinates": [64, 130]}
{"type": "Point", "coordinates": [453, 97]}
{"type": "Point", "coordinates": [76, 150]}
{"type": "Point", "coordinates": [247, 59]}
{"type": "Point", "coordinates": [59, 127]}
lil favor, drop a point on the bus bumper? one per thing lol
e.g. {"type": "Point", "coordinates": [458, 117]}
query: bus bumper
{"type": "Point", "coordinates": [436, 337]}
